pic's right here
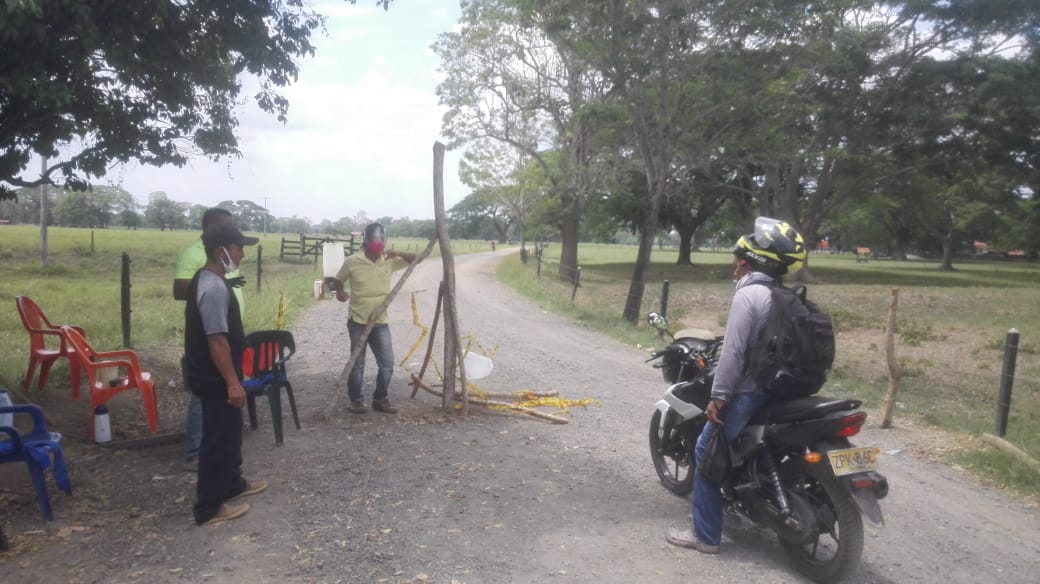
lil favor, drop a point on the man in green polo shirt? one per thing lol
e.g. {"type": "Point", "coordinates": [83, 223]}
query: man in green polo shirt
{"type": "Point", "coordinates": [190, 260]}
{"type": "Point", "coordinates": [368, 277]}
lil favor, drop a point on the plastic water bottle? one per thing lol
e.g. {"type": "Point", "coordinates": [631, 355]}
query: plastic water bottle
{"type": "Point", "coordinates": [102, 426]}
{"type": "Point", "coordinates": [6, 418]}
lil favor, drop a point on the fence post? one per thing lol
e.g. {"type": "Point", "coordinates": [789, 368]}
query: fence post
{"type": "Point", "coordinates": [124, 299]}
{"type": "Point", "coordinates": [259, 265]}
{"type": "Point", "coordinates": [577, 282]}
{"type": "Point", "coordinates": [538, 256]}
{"type": "Point", "coordinates": [664, 298]}
{"type": "Point", "coordinates": [1007, 380]}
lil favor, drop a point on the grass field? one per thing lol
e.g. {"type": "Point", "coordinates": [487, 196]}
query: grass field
{"type": "Point", "coordinates": [951, 329]}
{"type": "Point", "coordinates": [81, 285]}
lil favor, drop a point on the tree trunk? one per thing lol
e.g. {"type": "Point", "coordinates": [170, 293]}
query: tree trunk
{"type": "Point", "coordinates": [569, 242]}
{"type": "Point", "coordinates": [947, 252]}
{"type": "Point", "coordinates": [685, 243]}
{"type": "Point", "coordinates": [634, 301]}
{"type": "Point", "coordinates": [894, 372]}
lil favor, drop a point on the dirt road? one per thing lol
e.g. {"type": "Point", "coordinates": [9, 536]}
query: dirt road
{"type": "Point", "coordinates": [434, 498]}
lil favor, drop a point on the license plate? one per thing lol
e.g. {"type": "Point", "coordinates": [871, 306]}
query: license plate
{"type": "Point", "coordinates": [853, 460]}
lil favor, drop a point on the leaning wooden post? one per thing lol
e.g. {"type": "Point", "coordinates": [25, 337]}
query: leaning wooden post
{"type": "Point", "coordinates": [337, 391]}
{"type": "Point", "coordinates": [433, 335]}
{"type": "Point", "coordinates": [451, 316]}
{"type": "Point", "coordinates": [893, 366]}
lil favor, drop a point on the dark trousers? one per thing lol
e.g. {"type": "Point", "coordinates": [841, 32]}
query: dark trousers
{"type": "Point", "coordinates": [220, 458]}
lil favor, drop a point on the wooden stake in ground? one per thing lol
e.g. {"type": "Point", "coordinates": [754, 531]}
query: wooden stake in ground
{"type": "Point", "coordinates": [337, 391]}
{"type": "Point", "coordinates": [433, 336]}
{"type": "Point", "coordinates": [452, 344]}
{"type": "Point", "coordinates": [893, 365]}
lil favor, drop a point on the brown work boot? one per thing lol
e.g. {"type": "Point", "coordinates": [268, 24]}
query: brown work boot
{"type": "Point", "coordinates": [252, 488]}
{"type": "Point", "coordinates": [357, 407]}
{"type": "Point", "coordinates": [384, 406]}
{"type": "Point", "coordinates": [228, 512]}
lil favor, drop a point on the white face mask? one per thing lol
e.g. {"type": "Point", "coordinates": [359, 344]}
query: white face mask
{"type": "Point", "coordinates": [225, 261]}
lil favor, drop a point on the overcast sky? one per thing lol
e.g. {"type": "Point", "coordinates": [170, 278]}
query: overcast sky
{"type": "Point", "coordinates": [362, 121]}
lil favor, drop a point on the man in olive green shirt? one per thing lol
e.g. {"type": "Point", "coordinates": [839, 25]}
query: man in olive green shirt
{"type": "Point", "coordinates": [368, 277]}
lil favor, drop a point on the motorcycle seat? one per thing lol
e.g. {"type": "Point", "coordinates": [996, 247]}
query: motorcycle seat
{"type": "Point", "coordinates": [808, 408]}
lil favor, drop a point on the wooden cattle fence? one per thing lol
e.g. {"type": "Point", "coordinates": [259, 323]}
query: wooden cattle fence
{"type": "Point", "coordinates": [310, 245]}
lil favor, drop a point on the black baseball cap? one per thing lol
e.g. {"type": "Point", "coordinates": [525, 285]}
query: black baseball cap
{"type": "Point", "coordinates": [225, 234]}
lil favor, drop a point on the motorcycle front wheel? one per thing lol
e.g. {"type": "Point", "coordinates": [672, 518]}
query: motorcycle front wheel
{"type": "Point", "coordinates": [835, 550]}
{"type": "Point", "coordinates": [673, 456]}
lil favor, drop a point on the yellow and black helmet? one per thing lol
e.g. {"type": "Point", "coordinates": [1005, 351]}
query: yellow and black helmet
{"type": "Point", "coordinates": [775, 248]}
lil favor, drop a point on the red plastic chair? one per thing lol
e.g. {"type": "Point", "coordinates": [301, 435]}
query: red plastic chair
{"type": "Point", "coordinates": [101, 389]}
{"type": "Point", "coordinates": [39, 329]}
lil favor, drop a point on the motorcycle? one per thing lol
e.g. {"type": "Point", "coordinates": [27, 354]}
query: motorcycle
{"type": "Point", "coordinates": [792, 469]}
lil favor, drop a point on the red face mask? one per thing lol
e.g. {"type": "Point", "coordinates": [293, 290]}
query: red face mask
{"type": "Point", "coordinates": [375, 247]}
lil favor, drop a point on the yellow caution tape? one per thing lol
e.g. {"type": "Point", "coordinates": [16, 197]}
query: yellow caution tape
{"type": "Point", "coordinates": [525, 397]}
{"type": "Point", "coordinates": [422, 335]}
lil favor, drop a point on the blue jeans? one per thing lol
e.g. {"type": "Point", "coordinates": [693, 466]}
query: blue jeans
{"type": "Point", "coordinates": [707, 497]}
{"type": "Point", "coordinates": [193, 424]}
{"type": "Point", "coordinates": [379, 342]}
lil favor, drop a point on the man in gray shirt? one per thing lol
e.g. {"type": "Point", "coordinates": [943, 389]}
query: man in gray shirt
{"type": "Point", "coordinates": [213, 343]}
{"type": "Point", "coordinates": [774, 249]}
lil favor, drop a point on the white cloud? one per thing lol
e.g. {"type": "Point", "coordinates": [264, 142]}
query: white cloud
{"type": "Point", "coordinates": [361, 126]}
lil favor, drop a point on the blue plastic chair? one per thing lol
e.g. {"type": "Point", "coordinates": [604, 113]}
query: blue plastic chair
{"type": "Point", "coordinates": [264, 359]}
{"type": "Point", "coordinates": [39, 449]}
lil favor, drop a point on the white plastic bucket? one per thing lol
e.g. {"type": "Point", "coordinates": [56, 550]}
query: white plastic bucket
{"type": "Point", "coordinates": [319, 289]}
{"type": "Point", "coordinates": [331, 258]}
{"type": "Point", "coordinates": [477, 366]}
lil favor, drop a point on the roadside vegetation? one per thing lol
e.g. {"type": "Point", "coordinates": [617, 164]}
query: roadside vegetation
{"type": "Point", "coordinates": [951, 328]}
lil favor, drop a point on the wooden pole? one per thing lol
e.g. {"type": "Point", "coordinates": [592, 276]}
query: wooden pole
{"type": "Point", "coordinates": [1015, 451]}
{"type": "Point", "coordinates": [124, 300]}
{"type": "Point", "coordinates": [337, 391]}
{"type": "Point", "coordinates": [486, 402]}
{"type": "Point", "coordinates": [893, 365]}
{"type": "Point", "coordinates": [451, 317]}
{"type": "Point", "coordinates": [433, 336]}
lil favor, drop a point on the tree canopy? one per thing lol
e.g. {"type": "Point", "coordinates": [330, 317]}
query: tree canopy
{"type": "Point", "coordinates": [889, 123]}
{"type": "Point", "coordinates": [89, 83]}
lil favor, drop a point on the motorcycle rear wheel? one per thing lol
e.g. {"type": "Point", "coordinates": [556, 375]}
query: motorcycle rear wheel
{"type": "Point", "coordinates": [673, 456]}
{"type": "Point", "coordinates": [835, 552]}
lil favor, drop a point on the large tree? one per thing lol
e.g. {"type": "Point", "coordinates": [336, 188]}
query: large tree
{"type": "Point", "coordinates": [86, 83]}
{"type": "Point", "coordinates": [510, 78]}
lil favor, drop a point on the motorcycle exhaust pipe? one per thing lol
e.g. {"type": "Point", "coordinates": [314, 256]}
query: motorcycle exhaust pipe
{"type": "Point", "coordinates": [798, 527]}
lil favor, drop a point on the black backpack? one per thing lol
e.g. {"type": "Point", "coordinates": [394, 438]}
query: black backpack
{"type": "Point", "coordinates": [795, 348]}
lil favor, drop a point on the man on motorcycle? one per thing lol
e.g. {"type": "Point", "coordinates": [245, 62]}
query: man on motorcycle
{"type": "Point", "coordinates": [762, 257]}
